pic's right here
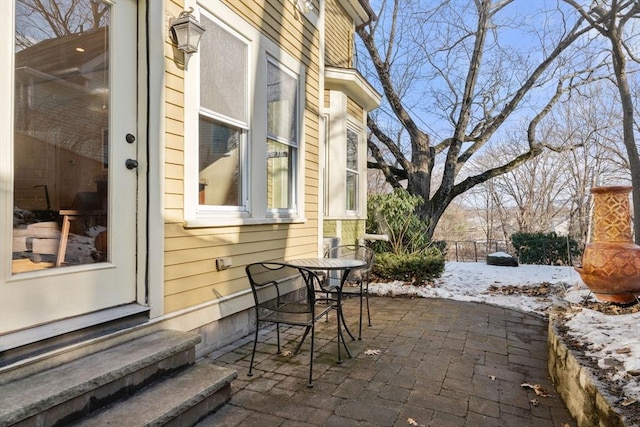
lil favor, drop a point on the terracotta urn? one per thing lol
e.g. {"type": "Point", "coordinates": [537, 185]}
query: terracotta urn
{"type": "Point", "coordinates": [611, 262]}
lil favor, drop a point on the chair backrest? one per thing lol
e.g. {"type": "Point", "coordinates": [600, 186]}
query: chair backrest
{"type": "Point", "coordinates": [360, 252]}
{"type": "Point", "coordinates": [274, 283]}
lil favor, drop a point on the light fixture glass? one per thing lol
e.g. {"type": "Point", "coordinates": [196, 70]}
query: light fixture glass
{"type": "Point", "coordinates": [186, 31]}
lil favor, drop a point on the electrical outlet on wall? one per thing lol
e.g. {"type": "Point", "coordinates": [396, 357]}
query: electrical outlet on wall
{"type": "Point", "coordinates": [223, 263]}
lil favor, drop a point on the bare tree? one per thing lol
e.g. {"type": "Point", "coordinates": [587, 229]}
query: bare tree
{"type": "Point", "coordinates": [533, 195]}
{"type": "Point", "coordinates": [609, 18]}
{"type": "Point", "coordinates": [449, 65]}
{"type": "Point", "coordinates": [601, 157]}
{"type": "Point", "coordinates": [455, 224]}
{"type": "Point", "coordinates": [551, 190]}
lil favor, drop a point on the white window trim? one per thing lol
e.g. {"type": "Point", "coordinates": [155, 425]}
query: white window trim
{"type": "Point", "coordinates": [260, 47]}
{"type": "Point", "coordinates": [335, 169]}
{"type": "Point", "coordinates": [207, 211]}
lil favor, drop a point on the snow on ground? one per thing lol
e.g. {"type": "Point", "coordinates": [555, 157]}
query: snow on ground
{"type": "Point", "coordinates": [611, 339]}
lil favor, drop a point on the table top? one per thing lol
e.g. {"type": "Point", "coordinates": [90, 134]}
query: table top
{"type": "Point", "coordinates": [326, 263]}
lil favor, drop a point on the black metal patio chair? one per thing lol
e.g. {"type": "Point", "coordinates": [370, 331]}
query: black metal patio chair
{"type": "Point", "coordinates": [357, 283]}
{"type": "Point", "coordinates": [286, 295]}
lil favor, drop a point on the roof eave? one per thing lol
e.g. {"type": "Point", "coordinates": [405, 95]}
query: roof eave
{"type": "Point", "coordinates": [352, 83]}
{"type": "Point", "coordinates": [359, 10]}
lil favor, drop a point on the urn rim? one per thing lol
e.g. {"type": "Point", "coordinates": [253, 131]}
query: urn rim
{"type": "Point", "coordinates": [612, 189]}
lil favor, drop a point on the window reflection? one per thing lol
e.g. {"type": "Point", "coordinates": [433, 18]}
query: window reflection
{"type": "Point", "coordinates": [61, 138]}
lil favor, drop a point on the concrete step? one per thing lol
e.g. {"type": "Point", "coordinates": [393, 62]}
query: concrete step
{"type": "Point", "coordinates": [74, 389]}
{"type": "Point", "coordinates": [178, 400]}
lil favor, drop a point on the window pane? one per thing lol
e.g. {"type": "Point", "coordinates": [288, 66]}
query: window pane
{"type": "Point", "coordinates": [281, 103]}
{"type": "Point", "coordinates": [352, 150]}
{"type": "Point", "coordinates": [352, 170]}
{"type": "Point", "coordinates": [219, 176]}
{"type": "Point", "coordinates": [280, 167]}
{"type": "Point", "coordinates": [61, 138]}
{"type": "Point", "coordinates": [352, 191]}
{"type": "Point", "coordinates": [223, 72]}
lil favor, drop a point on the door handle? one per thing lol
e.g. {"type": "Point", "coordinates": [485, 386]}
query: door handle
{"type": "Point", "coordinates": [131, 164]}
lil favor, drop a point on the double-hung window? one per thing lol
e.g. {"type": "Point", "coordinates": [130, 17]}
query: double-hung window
{"type": "Point", "coordinates": [282, 137]}
{"type": "Point", "coordinates": [222, 119]}
{"type": "Point", "coordinates": [244, 97]}
{"type": "Point", "coordinates": [352, 176]}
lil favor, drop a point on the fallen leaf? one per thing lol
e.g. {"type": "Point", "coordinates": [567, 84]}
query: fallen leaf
{"type": "Point", "coordinates": [624, 350]}
{"type": "Point", "coordinates": [412, 422]}
{"type": "Point", "coordinates": [540, 391]}
{"type": "Point", "coordinates": [286, 353]}
{"type": "Point", "coordinates": [372, 352]}
{"type": "Point", "coordinates": [534, 402]}
{"type": "Point", "coordinates": [629, 401]}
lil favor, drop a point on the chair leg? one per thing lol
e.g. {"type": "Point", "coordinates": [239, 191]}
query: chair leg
{"type": "Point", "coordinates": [326, 316]}
{"type": "Point", "coordinates": [366, 293]}
{"type": "Point", "coordinates": [306, 332]}
{"type": "Point", "coordinates": [311, 354]}
{"type": "Point", "coordinates": [253, 353]}
{"type": "Point", "coordinates": [360, 322]}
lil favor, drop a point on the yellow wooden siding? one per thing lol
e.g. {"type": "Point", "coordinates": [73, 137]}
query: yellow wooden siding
{"type": "Point", "coordinates": [339, 36]}
{"type": "Point", "coordinates": [189, 264]}
{"type": "Point", "coordinates": [329, 228]}
{"type": "Point", "coordinates": [174, 128]}
{"type": "Point", "coordinates": [174, 186]}
{"type": "Point", "coordinates": [352, 230]}
{"type": "Point", "coordinates": [355, 110]}
{"type": "Point", "coordinates": [174, 141]}
{"type": "Point", "coordinates": [174, 157]}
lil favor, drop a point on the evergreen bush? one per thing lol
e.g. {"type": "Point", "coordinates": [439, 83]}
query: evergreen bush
{"type": "Point", "coordinates": [393, 214]}
{"type": "Point", "coordinates": [408, 255]}
{"type": "Point", "coordinates": [416, 268]}
{"type": "Point", "coordinates": [545, 248]}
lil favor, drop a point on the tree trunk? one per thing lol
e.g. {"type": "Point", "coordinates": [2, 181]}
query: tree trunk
{"type": "Point", "coordinates": [619, 66]}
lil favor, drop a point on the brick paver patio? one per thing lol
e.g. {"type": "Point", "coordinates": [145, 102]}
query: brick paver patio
{"type": "Point", "coordinates": [441, 363]}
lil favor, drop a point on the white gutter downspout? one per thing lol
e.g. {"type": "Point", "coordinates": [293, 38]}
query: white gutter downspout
{"type": "Point", "coordinates": [322, 131]}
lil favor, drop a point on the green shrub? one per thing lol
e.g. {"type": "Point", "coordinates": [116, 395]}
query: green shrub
{"type": "Point", "coordinates": [441, 245]}
{"type": "Point", "coordinates": [416, 268]}
{"type": "Point", "coordinates": [545, 248]}
{"type": "Point", "coordinates": [393, 214]}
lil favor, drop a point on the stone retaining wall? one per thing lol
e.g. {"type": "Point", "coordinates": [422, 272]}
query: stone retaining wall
{"type": "Point", "coordinates": [577, 385]}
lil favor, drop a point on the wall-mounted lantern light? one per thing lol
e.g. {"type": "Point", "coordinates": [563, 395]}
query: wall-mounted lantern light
{"type": "Point", "coordinates": [186, 31]}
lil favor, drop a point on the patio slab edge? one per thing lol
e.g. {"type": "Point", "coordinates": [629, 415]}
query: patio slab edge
{"type": "Point", "coordinates": [577, 385]}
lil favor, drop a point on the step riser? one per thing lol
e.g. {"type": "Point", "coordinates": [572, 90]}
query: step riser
{"type": "Point", "coordinates": [179, 400]}
{"type": "Point", "coordinates": [125, 386]}
{"type": "Point", "coordinates": [194, 414]}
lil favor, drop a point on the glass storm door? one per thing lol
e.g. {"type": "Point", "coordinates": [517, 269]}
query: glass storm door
{"type": "Point", "coordinates": [71, 148]}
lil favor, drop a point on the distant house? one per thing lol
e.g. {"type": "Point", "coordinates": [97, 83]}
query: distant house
{"type": "Point", "coordinates": [137, 181]}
